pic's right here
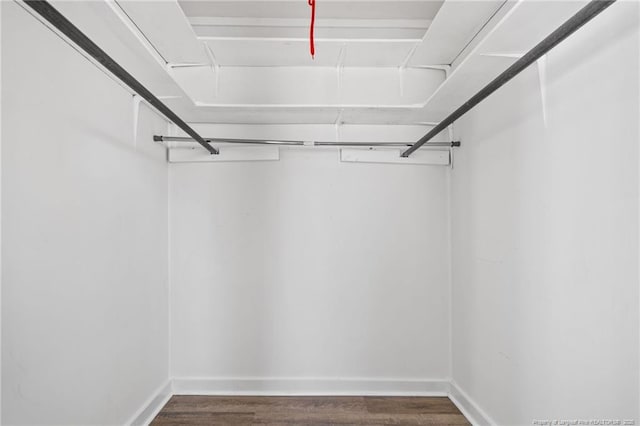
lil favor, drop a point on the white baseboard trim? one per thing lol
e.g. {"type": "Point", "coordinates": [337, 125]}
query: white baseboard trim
{"type": "Point", "coordinates": [308, 386]}
{"type": "Point", "coordinates": [152, 406]}
{"type": "Point", "coordinates": [468, 407]}
{"type": "Point", "coordinates": [279, 386]}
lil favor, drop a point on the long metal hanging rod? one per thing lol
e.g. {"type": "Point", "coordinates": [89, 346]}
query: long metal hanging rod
{"type": "Point", "coordinates": [449, 144]}
{"type": "Point", "coordinates": [584, 15]}
{"type": "Point", "coordinates": [158, 138]}
{"type": "Point", "coordinates": [62, 24]}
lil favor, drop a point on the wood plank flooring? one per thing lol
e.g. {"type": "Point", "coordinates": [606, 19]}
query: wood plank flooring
{"type": "Point", "coordinates": [312, 410]}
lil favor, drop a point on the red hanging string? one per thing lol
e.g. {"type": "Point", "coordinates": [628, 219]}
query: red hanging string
{"type": "Point", "coordinates": [312, 46]}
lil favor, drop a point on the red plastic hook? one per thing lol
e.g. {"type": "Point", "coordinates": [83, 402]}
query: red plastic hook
{"type": "Point", "coordinates": [312, 46]}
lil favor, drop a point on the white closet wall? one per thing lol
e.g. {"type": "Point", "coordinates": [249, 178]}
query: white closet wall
{"type": "Point", "coordinates": [312, 271]}
{"type": "Point", "coordinates": [545, 235]}
{"type": "Point", "coordinates": [509, 280]}
{"type": "Point", "coordinates": [84, 236]}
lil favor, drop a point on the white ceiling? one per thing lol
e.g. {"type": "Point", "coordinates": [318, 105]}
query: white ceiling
{"type": "Point", "coordinates": [251, 58]}
{"type": "Point", "coordinates": [377, 61]}
{"type": "Point", "coordinates": [290, 19]}
{"type": "Point", "coordinates": [291, 9]}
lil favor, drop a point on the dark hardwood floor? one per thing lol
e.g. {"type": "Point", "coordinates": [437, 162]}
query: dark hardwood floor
{"type": "Point", "coordinates": [348, 410]}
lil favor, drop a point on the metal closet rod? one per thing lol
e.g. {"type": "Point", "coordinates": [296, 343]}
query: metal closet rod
{"type": "Point", "coordinates": [159, 138]}
{"type": "Point", "coordinates": [62, 24]}
{"type": "Point", "coordinates": [584, 15]}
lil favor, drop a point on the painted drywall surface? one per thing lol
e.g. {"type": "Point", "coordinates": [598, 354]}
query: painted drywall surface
{"type": "Point", "coordinates": [307, 267]}
{"type": "Point", "coordinates": [84, 221]}
{"type": "Point", "coordinates": [0, 221]}
{"type": "Point", "coordinates": [545, 235]}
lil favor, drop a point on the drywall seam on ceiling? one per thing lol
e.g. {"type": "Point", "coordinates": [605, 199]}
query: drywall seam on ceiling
{"type": "Point", "coordinates": [338, 106]}
{"type": "Point", "coordinates": [477, 34]}
{"type": "Point", "coordinates": [146, 43]}
{"type": "Point", "coordinates": [137, 31]}
{"type": "Point", "coordinates": [320, 40]}
{"type": "Point", "coordinates": [197, 21]}
{"type": "Point", "coordinates": [412, 52]}
{"type": "Point", "coordinates": [475, 50]}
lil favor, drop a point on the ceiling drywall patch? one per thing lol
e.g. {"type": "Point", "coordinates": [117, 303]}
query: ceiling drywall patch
{"type": "Point", "coordinates": [453, 28]}
{"type": "Point", "coordinates": [338, 123]}
{"type": "Point", "coordinates": [165, 27]}
{"type": "Point", "coordinates": [215, 68]}
{"type": "Point", "coordinates": [542, 79]}
{"type": "Point", "coordinates": [136, 112]}
{"type": "Point", "coordinates": [410, 54]}
{"type": "Point", "coordinates": [340, 69]}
